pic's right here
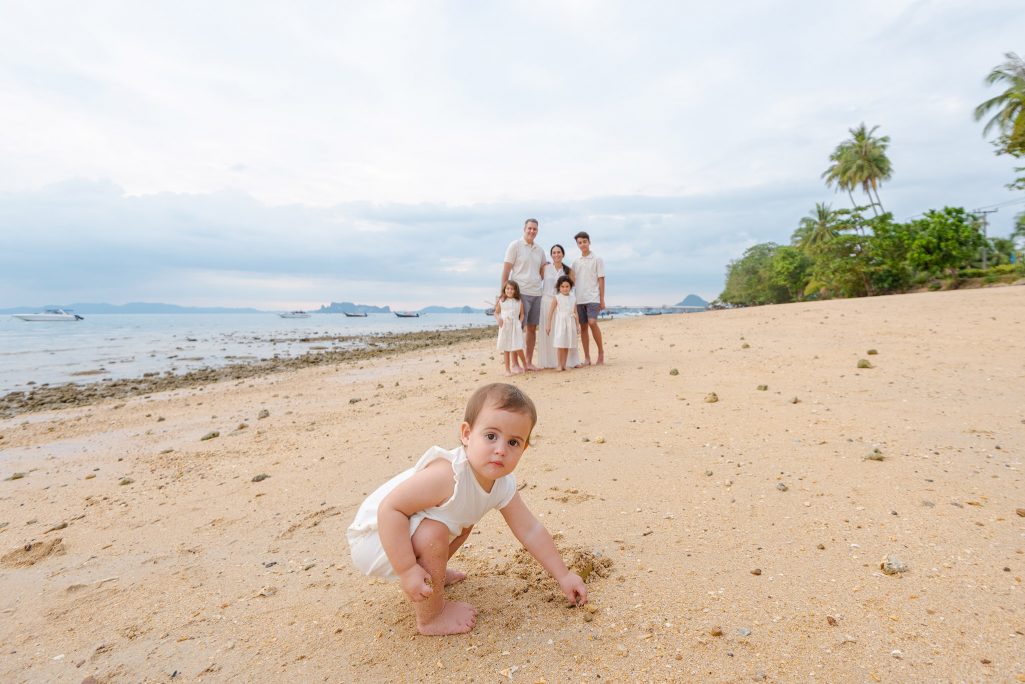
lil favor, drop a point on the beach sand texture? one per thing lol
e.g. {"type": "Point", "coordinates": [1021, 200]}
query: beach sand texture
{"type": "Point", "coordinates": [736, 540]}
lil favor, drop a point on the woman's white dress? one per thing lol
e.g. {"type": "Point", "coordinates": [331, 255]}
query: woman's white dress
{"type": "Point", "coordinates": [564, 327]}
{"type": "Point", "coordinates": [545, 346]}
{"type": "Point", "coordinates": [510, 335]}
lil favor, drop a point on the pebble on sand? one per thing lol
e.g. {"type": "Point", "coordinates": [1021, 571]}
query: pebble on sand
{"type": "Point", "coordinates": [674, 371]}
{"type": "Point", "coordinates": [15, 476]}
{"type": "Point", "coordinates": [762, 388]}
{"type": "Point", "coordinates": [126, 481]}
{"type": "Point", "coordinates": [875, 455]}
{"type": "Point", "coordinates": [711, 398]}
{"type": "Point", "coordinates": [892, 565]}
{"type": "Point", "coordinates": [260, 478]}
{"type": "Point", "coordinates": [864, 363]}
{"type": "Point", "coordinates": [210, 435]}
{"type": "Point", "coordinates": [264, 413]}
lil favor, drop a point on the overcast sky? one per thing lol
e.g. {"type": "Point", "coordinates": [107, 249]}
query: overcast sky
{"type": "Point", "coordinates": [284, 155]}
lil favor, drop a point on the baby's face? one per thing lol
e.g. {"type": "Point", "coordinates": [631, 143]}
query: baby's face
{"type": "Point", "coordinates": [495, 443]}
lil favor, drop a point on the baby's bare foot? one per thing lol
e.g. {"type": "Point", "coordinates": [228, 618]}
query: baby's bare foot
{"type": "Point", "coordinates": [455, 618]}
{"type": "Point", "coordinates": [453, 576]}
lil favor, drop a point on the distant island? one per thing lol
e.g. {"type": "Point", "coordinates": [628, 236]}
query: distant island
{"type": "Point", "coordinates": [693, 300]}
{"type": "Point", "coordinates": [349, 307]}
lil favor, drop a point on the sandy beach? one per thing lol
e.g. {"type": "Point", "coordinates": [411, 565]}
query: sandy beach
{"type": "Point", "coordinates": [197, 534]}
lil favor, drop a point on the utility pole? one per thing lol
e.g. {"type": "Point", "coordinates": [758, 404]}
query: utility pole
{"type": "Point", "coordinates": [980, 214]}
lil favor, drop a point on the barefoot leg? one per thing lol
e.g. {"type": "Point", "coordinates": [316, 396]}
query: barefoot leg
{"type": "Point", "coordinates": [453, 576]}
{"type": "Point", "coordinates": [435, 615]}
{"type": "Point", "coordinates": [596, 334]}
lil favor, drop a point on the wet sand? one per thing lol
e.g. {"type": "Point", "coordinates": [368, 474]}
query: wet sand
{"type": "Point", "coordinates": [734, 540]}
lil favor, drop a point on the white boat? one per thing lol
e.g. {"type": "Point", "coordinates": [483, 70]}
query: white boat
{"type": "Point", "coordinates": [294, 314]}
{"type": "Point", "coordinates": [50, 315]}
{"type": "Point", "coordinates": [407, 314]}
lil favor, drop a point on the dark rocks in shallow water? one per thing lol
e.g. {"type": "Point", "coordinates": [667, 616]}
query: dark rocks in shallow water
{"type": "Point", "coordinates": [45, 397]}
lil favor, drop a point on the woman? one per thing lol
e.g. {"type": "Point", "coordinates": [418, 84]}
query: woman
{"type": "Point", "coordinates": [546, 357]}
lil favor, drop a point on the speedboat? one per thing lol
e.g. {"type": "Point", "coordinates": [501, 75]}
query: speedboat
{"type": "Point", "coordinates": [355, 314]}
{"type": "Point", "coordinates": [50, 315]}
{"type": "Point", "coordinates": [408, 314]}
{"type": "Point", "coordinates": [294, 314]}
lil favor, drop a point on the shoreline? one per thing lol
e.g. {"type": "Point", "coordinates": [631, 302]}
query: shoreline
{"type": "Point", "coordinates": [48, 397]}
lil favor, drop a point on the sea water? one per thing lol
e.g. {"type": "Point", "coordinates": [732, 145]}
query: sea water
{"type": "Point", "coordinates": [119, 346]}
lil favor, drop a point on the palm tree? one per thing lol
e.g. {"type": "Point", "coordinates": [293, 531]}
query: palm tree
{"type": "Point", "coordinates": [816, 229]}
{"type": "Point", "coordinates": [861, 161]}
{"type": "Point", "coordinates": [1008, 106]}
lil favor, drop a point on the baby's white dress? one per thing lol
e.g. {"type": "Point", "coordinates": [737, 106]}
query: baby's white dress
{"type": "Point", "coordinates": [467, 505]}
{"type": "Point", "coordinates": [510, 335]}
{"type": "Point", "coordinates": [564, 327]}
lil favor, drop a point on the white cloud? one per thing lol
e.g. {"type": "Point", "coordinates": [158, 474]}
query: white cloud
{"type": "Point", "coordinates": [331, 150]}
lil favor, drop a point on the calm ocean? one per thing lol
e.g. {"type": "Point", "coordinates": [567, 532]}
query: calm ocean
{"type": "Point", "coordinates": [127, 345]}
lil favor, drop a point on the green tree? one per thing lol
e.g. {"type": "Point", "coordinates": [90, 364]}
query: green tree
{"type": "Point", "coordinates": [1000, 250]}
{"type": "Point", "coordinates": [944, 240]}
{"type": "Point", "coordinates": [840, 268]}
{"type": "Point", "coordinates": [887, 255]}
{"type": "Point", "coordinates": [1008, 111]}
{"type": "Point", "coordinates": [1019, 228]}
{"type": "Point", "coordinates": [815, 230]}
{"type": "Point", "coordinates": [861, 162]}
{"type": "Point", "coordinates": [750, 280]}
{"type": "Point", "coordinates": [790, 268]}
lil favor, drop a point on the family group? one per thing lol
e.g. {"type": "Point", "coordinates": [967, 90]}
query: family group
{"type": "Point", "coordinates": [548, 306]}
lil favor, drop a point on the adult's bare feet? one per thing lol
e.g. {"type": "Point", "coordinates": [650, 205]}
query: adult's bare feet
{"type": "Point", "coordinates": [456, 617]}
{"type": "Point", "coordinates": [600, 361]}
{"type": "Point", "coordinates": [453, 576]}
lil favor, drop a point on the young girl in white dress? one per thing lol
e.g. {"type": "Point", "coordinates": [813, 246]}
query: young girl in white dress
{"type": "Point", "coordinates": [563, 326]}
{"type": "Point", "coordinates": [550, 273]}
{"type": "Point", "coordinates": [509, 313]}
{"type": "Point", "coordinates": [410, 527]}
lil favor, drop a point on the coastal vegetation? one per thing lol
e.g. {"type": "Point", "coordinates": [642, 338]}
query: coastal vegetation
{"type": "Point", "coordinates": [863, 251]}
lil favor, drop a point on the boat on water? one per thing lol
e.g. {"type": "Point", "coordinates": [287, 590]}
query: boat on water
{"type": "Point", "coordinates": [50, 315]}
{"type": "Point", "coordinates": [408, 314]}
{"type": "Point", "coordinates": [355, 314]}
{"type": "Point", "coordinates": [294, 314]}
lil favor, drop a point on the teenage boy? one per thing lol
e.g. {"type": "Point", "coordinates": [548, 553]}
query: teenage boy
{"type": "Point", "coordinates": [589, 270]}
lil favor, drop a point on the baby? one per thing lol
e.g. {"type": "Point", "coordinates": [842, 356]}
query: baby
{"type": "Point", "coordinates": [410, 526]}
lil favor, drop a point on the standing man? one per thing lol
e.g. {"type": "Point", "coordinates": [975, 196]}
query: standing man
{"type": "Point", "coordinates": [523, 261]}
{"type": "Point", "coordinates": [589, 271]}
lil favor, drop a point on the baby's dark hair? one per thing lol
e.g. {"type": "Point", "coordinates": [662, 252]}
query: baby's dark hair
{"type": "Point", "coordinates": [516, 289]}
{"type": "Point", "coordinates": [502, 396]}
{"type": "Point", "coordinates": [561, 280]}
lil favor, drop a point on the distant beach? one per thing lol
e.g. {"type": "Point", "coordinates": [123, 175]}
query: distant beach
{"type": "Point", "coordinates": [828, 491]}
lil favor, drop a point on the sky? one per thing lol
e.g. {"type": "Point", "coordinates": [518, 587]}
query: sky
{"type": "Point", "coordinates": [285, 155]}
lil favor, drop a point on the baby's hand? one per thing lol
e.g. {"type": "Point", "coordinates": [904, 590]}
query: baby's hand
{"type": "Point", "coordinates": [416, 582]}
{"type": "Point", "coordinates": [574, 589]}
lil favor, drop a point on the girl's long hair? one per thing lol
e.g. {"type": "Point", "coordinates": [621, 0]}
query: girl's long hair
{"type": "Point", "coordinates": [516, 290]}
